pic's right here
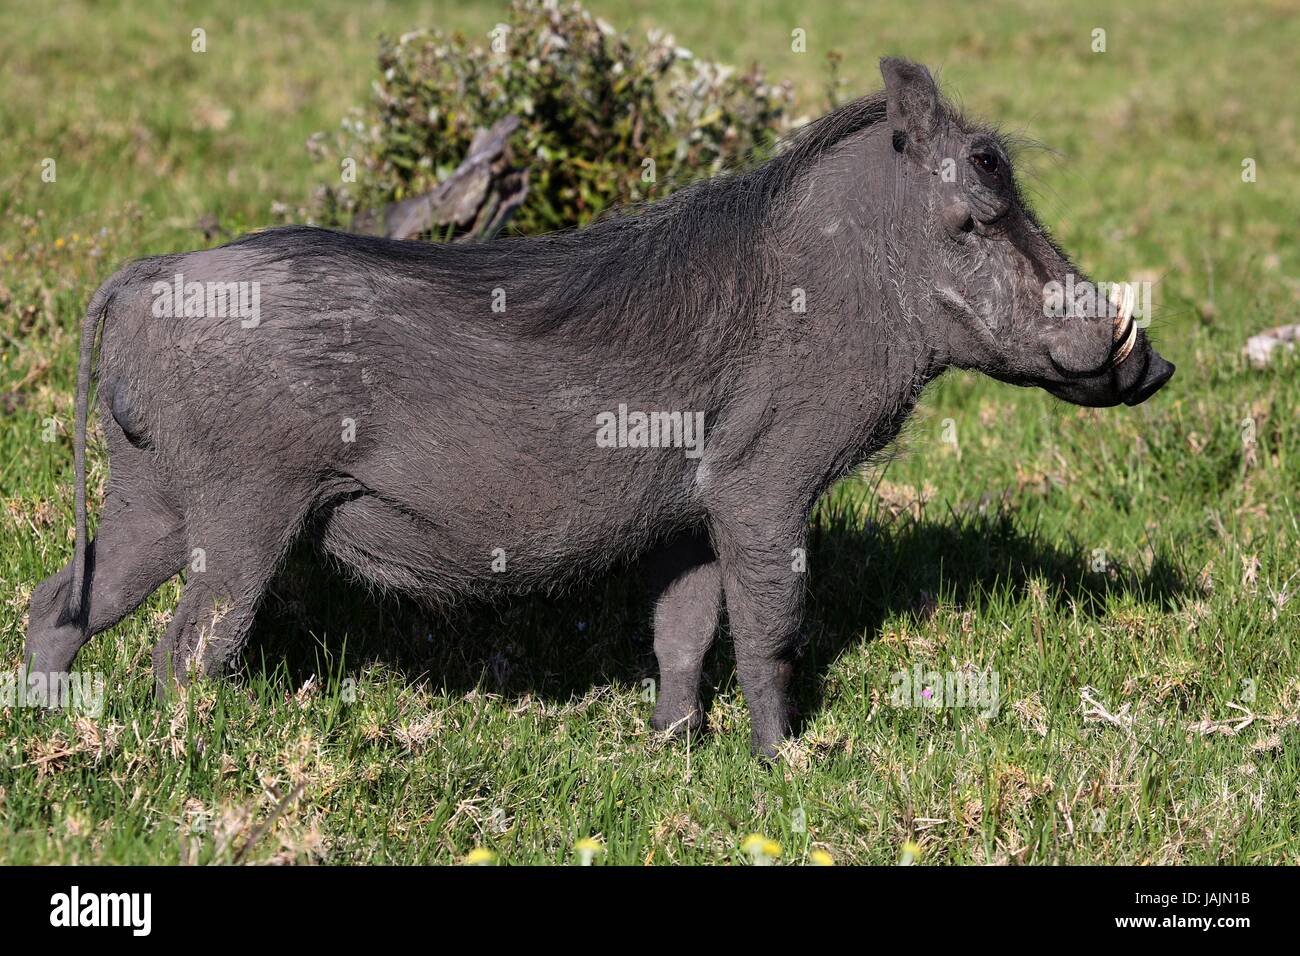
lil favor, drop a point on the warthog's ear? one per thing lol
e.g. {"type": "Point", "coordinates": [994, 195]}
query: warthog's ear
{"type": "Point", "coordinates": [911, 100]}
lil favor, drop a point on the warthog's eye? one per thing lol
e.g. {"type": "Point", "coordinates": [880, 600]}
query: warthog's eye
{"type": "Point", "coordinates": [986, 162]}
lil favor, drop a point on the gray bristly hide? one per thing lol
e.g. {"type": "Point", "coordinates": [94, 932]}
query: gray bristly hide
{"type": "Point", "coordinates": [461, 421]}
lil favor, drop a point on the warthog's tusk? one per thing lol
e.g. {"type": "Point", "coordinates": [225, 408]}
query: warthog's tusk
{"type": "Point", "coordinates": [1125, 327]}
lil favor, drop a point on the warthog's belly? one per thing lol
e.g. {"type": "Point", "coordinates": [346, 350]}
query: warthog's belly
{"type": "Point", "coordinates": [444, 557]}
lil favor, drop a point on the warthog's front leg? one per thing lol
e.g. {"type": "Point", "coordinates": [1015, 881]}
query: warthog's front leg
{"type": "Point", "coordinates": [686, 586]}
{"type": "Point", "coordinates": [763, 580]}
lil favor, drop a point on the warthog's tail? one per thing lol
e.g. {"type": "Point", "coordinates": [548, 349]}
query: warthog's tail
{"type": "Point", "coordinates": [94, 314]}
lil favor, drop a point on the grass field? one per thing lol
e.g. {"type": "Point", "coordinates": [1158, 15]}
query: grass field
{"type": "Point", "coordinates": [1128, 574]}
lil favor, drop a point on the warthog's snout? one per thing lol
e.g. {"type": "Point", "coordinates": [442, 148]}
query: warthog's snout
{"type": "Point", "coordinates": [1129, 380]}
{"type": "Point", "coordinates": [1121, 368]}
{"type": "Point", "coordinates": [1134, 357]}
{"type": "Point", "coordinates": [1158, 371]}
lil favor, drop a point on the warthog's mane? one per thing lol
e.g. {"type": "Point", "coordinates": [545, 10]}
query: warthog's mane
{"type": "Point", "coordinates": [694, 266]}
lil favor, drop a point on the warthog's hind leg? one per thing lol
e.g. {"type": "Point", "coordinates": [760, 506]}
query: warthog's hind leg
{"type": "Point", "coordinates": [686, 586]}
{"type": "Point", "coordinates": [139, 544]}
{"type": "Point", "coordinates": [234, 560]}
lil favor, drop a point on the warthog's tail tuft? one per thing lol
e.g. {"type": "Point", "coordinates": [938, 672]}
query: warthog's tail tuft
{"type": "Point", "coordinates": [94, 314]}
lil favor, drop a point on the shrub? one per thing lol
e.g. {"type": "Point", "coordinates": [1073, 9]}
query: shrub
{"type": "Point", "coordinates": [604, 120]}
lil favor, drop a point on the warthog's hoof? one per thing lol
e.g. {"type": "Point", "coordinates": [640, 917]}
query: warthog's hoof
{"type": "Point", "coordinates": [679, 721]}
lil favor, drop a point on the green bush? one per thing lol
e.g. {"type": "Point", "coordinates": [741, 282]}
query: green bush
{"type": "Point", "coordinates": [594, 109]}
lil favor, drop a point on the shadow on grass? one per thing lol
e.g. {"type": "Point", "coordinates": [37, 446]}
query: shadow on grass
{"type": "Point", "coordinates": [862, 574]}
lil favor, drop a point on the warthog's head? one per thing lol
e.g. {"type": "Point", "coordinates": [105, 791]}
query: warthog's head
{"type": "Point", "coordinates": [1004, 295]}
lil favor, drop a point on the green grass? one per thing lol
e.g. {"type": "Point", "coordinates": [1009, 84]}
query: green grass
{"type": "Point", "coordinates": [524, 729]}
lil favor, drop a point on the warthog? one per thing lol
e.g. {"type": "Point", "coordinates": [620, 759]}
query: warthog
{"type": "Point", "coordinates": [456, 421]}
